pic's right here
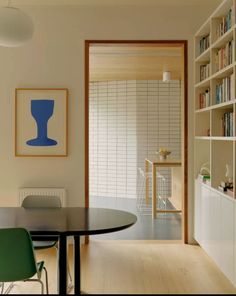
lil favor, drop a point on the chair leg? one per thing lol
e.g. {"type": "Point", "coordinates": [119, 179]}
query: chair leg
{"type": "Point", "coordinates": [46, 279]}
{"type": "Point", "coordinates": [9, 288]}
{"type": "Point", "coordinates": [42, 287]}
{"type": "Point", "coordinates": [2, 288]}
{"type": "Point", "coordinates": [37, 280]}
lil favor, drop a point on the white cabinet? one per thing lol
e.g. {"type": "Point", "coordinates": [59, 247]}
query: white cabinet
{"type": "Point", "coordinates": [197, 212]}
{"type": "Point", "coordinates": [205, 214]}
{"type": "Point", "coordinates": [215, 227]}
{"type": "Point", "coordinates": [227, 237]}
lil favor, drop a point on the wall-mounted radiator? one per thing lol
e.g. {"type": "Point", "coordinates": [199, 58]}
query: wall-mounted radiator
{"type": "Point", "coordinates": [50, 191]}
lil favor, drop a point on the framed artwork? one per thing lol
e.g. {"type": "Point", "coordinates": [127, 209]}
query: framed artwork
{"type": "Point", "coordinates": [41, 122]}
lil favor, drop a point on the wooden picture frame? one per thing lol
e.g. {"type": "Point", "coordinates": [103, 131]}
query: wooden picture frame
{"type": "Point", "coordinates": [41, 122]}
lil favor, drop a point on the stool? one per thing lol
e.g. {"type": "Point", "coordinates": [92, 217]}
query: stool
{"type": "Point", "coordinates": [142, 206]}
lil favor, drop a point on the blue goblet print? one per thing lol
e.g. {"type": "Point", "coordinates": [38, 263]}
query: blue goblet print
{"type": "Point", "coordinates": [42, 110]}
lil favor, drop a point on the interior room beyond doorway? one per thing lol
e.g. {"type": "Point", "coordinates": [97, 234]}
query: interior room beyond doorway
{"type": "Point", "coordinates": [133, 114]}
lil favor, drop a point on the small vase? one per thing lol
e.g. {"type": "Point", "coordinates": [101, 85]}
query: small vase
{"type": "Point", "coordinates": [162, 157]}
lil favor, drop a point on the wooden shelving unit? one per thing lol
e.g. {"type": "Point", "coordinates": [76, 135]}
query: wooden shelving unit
{"type": "Point", "coordinates": [214, 142]}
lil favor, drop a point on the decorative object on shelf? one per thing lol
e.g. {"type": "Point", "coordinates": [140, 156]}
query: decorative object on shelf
{"type": "Point", "coordinates": [41, 122]}
{"type": "Point", "coordinates": [16, 27]}
{"type": "Point", "coordinates": [227, 186]}
{"type": "Point", "coordinates": [208, 132]}
{"type": "Point", "coordinates": [166, 76]}
{"type": "Point", "coordinates": [230, 192]}
{"type": "Point", "coordinates": [204, 174]}
{"type": "Point", "coordinates": [204, 178]}
{"type": "Point", "coordinates": [229, 173]}
{"type": "Point", "coordinates": [205, 169]}
{"type": "Point", "coordinates": [163, 152]}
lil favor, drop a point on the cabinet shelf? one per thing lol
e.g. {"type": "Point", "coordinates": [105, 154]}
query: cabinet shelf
{"type": "Point", "coordinates": [202, 138]}
{"type": "Point", "coordinates": [216, 106]}
{"type": "Point", "coordinates": [223, 72]}
{"type": "Point", "coordinates": [215, 138]}
{"type": "Point", "coordinates": [203, 109]}
{"type": "Point", "coordinates": [225, 38]}
{"type": "Point", "coordinates": [217, 75]}
{"type": "Point", "coordinates": [204, 83]}
{"type": "Point", "coordinates": [205, 56]}
{"type": "Point", "coordinates": [223, 105]}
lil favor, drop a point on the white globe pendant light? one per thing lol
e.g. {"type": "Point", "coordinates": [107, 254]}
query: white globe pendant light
{"type": "Point", "coordinates": [16, 27]}
{"type": "Point", "coordinates": [166, 76]}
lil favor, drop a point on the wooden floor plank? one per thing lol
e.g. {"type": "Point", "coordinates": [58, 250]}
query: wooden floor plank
{"type": "Point", "coordinates": [136, 268]}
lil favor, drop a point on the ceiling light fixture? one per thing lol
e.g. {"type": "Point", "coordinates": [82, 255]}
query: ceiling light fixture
{"type": "Point", "coordinates": [166, 76]}
{"type": "Point", "coordinates": [16, 27]}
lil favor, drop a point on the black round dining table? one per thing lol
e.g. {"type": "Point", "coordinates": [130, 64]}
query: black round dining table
{"type": "Point", "coordinates": [65, 222]}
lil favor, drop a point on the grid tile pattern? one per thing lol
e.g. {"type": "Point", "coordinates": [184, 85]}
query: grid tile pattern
{"type": "Point", "coordinates": [158, 123]}
{"type": "Point", "coordinates": [128, 121]}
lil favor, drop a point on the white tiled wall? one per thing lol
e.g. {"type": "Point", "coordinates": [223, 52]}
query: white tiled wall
{"type": "Point", "coordinates": [130, 120]}
{"type": "Point", "coordinates": [158, 122]}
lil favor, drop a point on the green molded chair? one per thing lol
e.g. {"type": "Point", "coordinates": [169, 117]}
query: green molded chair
{"type": "Point", "coordinates": [17, 259]}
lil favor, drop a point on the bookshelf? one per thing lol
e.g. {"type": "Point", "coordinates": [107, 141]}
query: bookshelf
{"type": "Point", "coordinates": [215, 138]}
{"type": "Point", "coordinates": [215, 96]}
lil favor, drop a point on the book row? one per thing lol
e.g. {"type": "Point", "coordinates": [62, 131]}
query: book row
{"type": "Point", "coordinates": [225, 24]}
{"type": "Point", "coordinates": [204, 99]}
{"type": "Point", "coordinates": [225, 90]}
{"type": "Point", "coordinates": [224, 56]}
{"type": "Point", "coordinates": [204, 71]}
{"type": "Point", "coordinates": [227, 124]}
{"type": "Point", "coordinates": [204, 43]}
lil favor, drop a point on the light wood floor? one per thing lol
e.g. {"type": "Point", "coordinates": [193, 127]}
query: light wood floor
{"type": "Point", "coordinates": [139, 267]}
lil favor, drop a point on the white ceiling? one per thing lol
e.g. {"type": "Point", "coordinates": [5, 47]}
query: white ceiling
{"type": "Point", "coordinates": [168, 3]}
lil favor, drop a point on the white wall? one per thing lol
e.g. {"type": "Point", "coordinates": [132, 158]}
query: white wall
{"type": "Point", "coordinates": [55, 58]}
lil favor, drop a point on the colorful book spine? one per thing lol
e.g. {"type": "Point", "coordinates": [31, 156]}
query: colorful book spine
{"type": "Point", "coordinates": [204, 71]}
{"type": "Point", "coordinates": [227, 124]}
{"type": "Point", "coordinates": [204, 99]}
{"type": "Point", "coordinates": [224, 56]}
{"type": "Point", "coordinates": [225, 90]}
{"type": "Point", "coordinates": [204, 43]}
{"type": "Point", "coordinates": [225, 23]}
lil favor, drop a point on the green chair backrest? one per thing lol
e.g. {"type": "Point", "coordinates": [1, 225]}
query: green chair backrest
{"type": "Point", "coordinates": [41, 201]}
{"type": "Point", "coordinates": [17, 261]}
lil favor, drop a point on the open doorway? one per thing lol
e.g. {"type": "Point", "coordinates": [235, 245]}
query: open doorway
{"type": "Point", "coordinates": [130, 114]}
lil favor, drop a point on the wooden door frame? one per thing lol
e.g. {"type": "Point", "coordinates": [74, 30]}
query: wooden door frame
{"type": "Point", "coordinates": [183, 43]}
